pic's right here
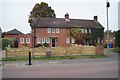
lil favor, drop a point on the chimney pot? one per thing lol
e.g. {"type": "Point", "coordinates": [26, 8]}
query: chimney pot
{"type": "Point", "coordinates": [95, 18]}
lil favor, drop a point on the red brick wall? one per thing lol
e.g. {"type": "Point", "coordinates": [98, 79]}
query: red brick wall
{"type": "Point", "coordinates": [60, 37]}
{"type": "Point", "coordinates": [25, 36]}
{"type": "Point", "coordinates": [11, 36]}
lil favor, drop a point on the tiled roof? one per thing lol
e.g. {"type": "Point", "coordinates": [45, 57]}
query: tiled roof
{"type": "Point", "coordinates": [14, 31]}
{"type": "Point", "coordinates": [61, 22]}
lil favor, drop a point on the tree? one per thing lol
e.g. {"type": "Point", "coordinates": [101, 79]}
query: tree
{"type": "Point", "coordinates": [3, 34]}
{"type": "Point", "coordinates": [41, 10]}
{"type": "Point", "coordinates": [117, 38]}
{"type": "Point", "coordinates": [75, 33]}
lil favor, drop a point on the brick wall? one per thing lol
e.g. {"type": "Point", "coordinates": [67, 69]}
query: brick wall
{"type": "Point", "coordinates": [60, 37]}
{"type": "Point", "coordinates": [11, 36]}
{"type": "Point", "coordinates": [25, 43]}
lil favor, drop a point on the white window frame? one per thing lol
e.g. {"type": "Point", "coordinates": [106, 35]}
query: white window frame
{"type": "Point", "coordinates": [27, 40]}
{"type": "Point", "coordinates": [67, 40]}
{"type": "Point", "coordinates": [49, 30]}
{"type": "Point", "coordinates": [47, 40]}
{"type": "Point", "coordinates": [90, 31]}
{"type": "Point", "coordinates": [53, 30]}
{"type": "Point", "coordinates": [38, 40]}
{"type": "Point", "coordinates": [86, 31]}
{"type": "Point", "coordinates": [43, 40]}
{"type": "Point", "coordinates": [72, 40]}
{"type": "Point", "coordinates": [21, 40]}
{"type": "Point", "coordinates": [82, 30]}
{"type": "Point", "coordinates": [57, 30]}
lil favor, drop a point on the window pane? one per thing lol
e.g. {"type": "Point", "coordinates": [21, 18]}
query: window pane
{"type": "Point", "coordinates": [57, 30]}
{"type": "Point", "coordinates": [53, 30]}
{"type": "Point", "coordinates": [38, 40]}
{"type": "Point", "coordinates": [73, 40]}
{"type": "Point", "coordinates": [89, 30]}
{"type": "Point", "coordinates": [27, 40]}
{"type": "Point", "coordinates": [43, 40]}
{"type": "Point", "coordinates": [49, 30]}
{"type": "Point", "coordinates": [67, 40]}
{"type": "Point", "coordinates": [47, 40]}
{"type": "Point", "coordinates": [21, 40]}
{"type": "Point", "coordinates": [86, 31]}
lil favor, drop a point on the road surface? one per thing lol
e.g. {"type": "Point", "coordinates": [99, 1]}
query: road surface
{"type": "Point", "coordinates": [76, 68]}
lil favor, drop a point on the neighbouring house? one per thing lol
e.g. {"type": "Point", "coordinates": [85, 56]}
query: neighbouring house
{"type": "Point", "coordinates": [13, 34]}
{"type": "Point", "coordinates": [108, 39]}
{"type": "Point", "coordinates": [25, 40]}
{"type": "Point", "coordinates": [56, 32]}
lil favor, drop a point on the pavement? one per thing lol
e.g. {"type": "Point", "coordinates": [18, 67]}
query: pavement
{"type": "Point", "coordinates": [110, 57]}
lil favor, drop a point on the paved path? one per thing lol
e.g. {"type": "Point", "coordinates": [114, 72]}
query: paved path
{"type": "Point", "coordinates": [76, 68]}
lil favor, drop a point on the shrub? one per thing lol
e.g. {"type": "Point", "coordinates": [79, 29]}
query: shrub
{"type": "Point", "coordinates": [38, 45]}
{"type": "Point", "coordinates": [46, 44]}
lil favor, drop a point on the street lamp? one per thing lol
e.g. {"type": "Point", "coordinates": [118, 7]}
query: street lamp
{"type": "Point", "coordinates": [107, 5]}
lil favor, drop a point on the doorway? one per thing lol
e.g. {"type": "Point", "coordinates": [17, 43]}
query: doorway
{"type": "Point", "coordinates": [53, 43]}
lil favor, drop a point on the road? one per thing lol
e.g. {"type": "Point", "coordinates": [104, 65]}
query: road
{"type": "Point", "coordinates": [76, 68]}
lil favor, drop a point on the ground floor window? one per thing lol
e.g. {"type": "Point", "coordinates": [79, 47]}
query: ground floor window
{"type": "Point", "coordinates": [38, 40]}
{"type": "Point", "coordinates": [43, 40]}
{"type": "Point", "coordinates": [27, 40]}
{"type": "Point", "coordinates": [21, 40]}
{"type": "Point", "coordinates": [47, 40]}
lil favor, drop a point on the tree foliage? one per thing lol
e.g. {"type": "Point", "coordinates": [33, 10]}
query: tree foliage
{"type": "Point", "coordinates": [75, 33]}
{"type": "Point", "coordinates": [42, 10]}
{"type": "Point", "coordinates": [117, 38]}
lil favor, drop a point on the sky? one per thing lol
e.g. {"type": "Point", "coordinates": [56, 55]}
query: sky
{"type": "Point", "coordinates": [14, 13]}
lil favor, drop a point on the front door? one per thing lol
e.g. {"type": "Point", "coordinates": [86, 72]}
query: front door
{"type": "Point", "coordinates": [53, 42]}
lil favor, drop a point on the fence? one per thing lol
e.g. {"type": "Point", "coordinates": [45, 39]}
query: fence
{"type": "Point", "coordinates": [58, 51]}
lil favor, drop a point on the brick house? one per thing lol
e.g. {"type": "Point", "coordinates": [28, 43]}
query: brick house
{"type": "Point", "coordinates": [12, 34]}
{"type": "Point", "coordinates": [108, 41]}
{"type": "Point", "coordinates": [56, 31]}
{"type": "Point", "coordinates": [15, 35]}
{"type": "Point", "coordinates": [25, 40]}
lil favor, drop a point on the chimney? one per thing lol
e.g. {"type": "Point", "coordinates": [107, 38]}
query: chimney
{"type": "Point", "coordinates": [66, 16]}
{"type": "Point", "coordinates": [95, 18]}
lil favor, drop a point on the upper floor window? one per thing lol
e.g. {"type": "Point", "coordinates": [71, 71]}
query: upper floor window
{"type": "Point", "coordinates": [47, 40]}
{"type": "Point", "coordinates": [73, 40]}
{"type": "Point", "coordinates": [57, 30]}
{"type": "Point", "coordinates": [82, 30]}
{"type": "Point", "coordinates": [27, 40]}
{"type": "Point", "coordinates": [21, 40]}
{"type": "Point", "coordinates": [89, 30]}
{"type": "Point", "coordinates": [53, 30]}
{"type": "Point", "coordinates": [85, 31]}
{"type": "Point", "coordinates": [49, 30]}
{"type": "Point", "coordinates": [38, 40]}
{"type": "Point", "coordinates": [67, 40]}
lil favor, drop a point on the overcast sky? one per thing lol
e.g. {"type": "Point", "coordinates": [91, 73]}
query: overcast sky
{"type": "Point", "coordinates": [14, 13]}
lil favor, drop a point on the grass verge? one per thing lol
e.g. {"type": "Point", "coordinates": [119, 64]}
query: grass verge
{"type": "Point", "coordinates": [116, 50]}
{"type": "Point", "coordinates": [56, 57]}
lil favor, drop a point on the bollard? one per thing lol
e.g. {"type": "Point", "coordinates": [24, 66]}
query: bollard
{"type": "Point", "coordinates": [29, 59]}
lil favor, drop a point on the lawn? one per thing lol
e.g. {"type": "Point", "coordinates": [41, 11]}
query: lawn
{"type": "Point", "coordinates": [55, 57]}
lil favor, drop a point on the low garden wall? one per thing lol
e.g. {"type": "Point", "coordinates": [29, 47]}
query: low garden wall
{"type": "Point", "coordinates": [58, 51]}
